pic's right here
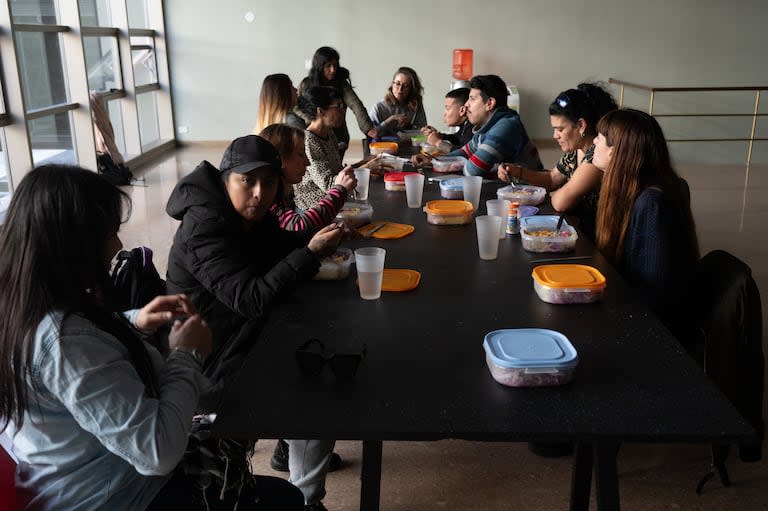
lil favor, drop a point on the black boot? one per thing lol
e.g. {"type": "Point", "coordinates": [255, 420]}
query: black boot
{"type": "Point", "coordinates": [279, 459]}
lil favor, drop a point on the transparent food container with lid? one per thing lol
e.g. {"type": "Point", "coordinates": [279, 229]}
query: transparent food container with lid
{"type": "Point", "coordinates": [336, 266]}
{"type": "Point", "coordinates": [522, 194]}
{"type": "Point", "coordinates": [383, 147]}
{"type": "Point", "coordinates": [568, 283]}
{"type": "Point", "coordinates": [448, 164]}
{"type": "Point", "coordinates": [530, 357]}
{"type": "Point", "coordinates": [356, 213]}
{"type": "Point", "coordinates": [449, 212]}
{"type": "Point", "coordinates": [452, 188]}
{"type": "Point", "coordinates": [539, 234]}
{"type": "Point", "coordinates": [395, 181]}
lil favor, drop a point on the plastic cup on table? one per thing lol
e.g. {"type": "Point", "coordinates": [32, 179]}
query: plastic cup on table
{"type": "Point", "coordinates": [363, 176]}
{"type": "Point", "coordinates": [472, 186]}
{"type": "Point", "coordinates": [414, 189]}
{"type": "Point", "coordinates": [488, 236]}
{"type": "Point", "coordinates": [370, 271]}
{"type": "Point", "coordinates": [499, 208]}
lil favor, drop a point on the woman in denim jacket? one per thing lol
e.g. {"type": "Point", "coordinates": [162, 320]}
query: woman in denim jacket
{"type": "Point", "coordinates": [98, 419]}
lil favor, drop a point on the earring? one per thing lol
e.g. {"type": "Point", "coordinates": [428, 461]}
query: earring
{"type": "Point", "coordinates": [583, 134]}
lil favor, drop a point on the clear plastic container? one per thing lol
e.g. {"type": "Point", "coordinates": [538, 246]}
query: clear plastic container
{"type": "Point", "coordinates": [356, 213]}
{"type": "Point", "coordinates": [530, 357]}
{"type": "Point", "coordinates": [407, 135]}
{"type": "Point", "coordinates": [448, 164]}
{"type": "Point", "coordinates": [523, 194]}
{"type": "Point", "coordinates": [336, 266]}
{"type": "Point", "coordinates": [395, 181]}
{"type": "Point", "coordinates": [383, 147]}
{"type": "Point", "coordinates": [389, 163]}
{"type": "Point", "coordinates": [538, 234]}
{"type": "Point", "coordinates": [452, 188]}
{"type": "Point", "coordinates": [568, 283]}
{"type": "Point", "coordinates": [417, 140]}
{"type": "Point", "coordinates": [449, 212]}
{"type": "Point", "coordinates": [430, 150]}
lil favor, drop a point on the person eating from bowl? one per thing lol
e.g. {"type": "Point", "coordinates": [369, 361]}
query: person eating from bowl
{"type": "Point", "coordinates": [454, 115]}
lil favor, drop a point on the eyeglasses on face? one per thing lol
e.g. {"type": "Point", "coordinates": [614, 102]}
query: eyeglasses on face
{"type": "Point", "coordinates": [401, 85]}
{"type": "Point", "coordinates": [312, 356]}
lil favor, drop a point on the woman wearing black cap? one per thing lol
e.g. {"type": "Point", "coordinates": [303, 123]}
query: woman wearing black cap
{"type": "Point", "coordinates": [232, 259]}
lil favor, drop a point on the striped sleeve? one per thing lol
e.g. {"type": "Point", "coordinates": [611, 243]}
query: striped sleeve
{"type": "Point", "coordinates": [319, 215]}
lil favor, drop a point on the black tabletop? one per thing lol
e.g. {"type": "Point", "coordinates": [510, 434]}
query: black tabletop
{"type": "Point", "coordinates": [425, 374]}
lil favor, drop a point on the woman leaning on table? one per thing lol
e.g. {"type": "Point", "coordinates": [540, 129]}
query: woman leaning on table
{"type": "Point", "coordinates": [97, 417]}
{"type": "Point", "coordinates": [574, 183]}
{"type": "Point", "coordinates": [644, 222]}
{"type": "Point", "coordinates": [327, 71]}
{"type": "Point", "coordinates": [402, 107]}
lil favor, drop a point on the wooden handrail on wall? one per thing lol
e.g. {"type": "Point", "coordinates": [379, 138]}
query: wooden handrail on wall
{"type": "Point", "coordinates": [653, 90]}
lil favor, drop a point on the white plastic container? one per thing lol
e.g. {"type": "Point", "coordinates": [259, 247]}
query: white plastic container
{"type": "Point", "coordinates": [449, 212]}
{"type": "Point", "coordinates": [568, 283]}
{"type": "Point", "coordinates": [448, 164]}
{"type": "Point", "coordinates": [523, 194]}
{"type": "Point", "coordinates": [336, 266]}
{"type": "Point", "coordinates": [389, 163]}
{"type": "Point", "coordinates": [538, 234]}
{"type": "Point", "coordinates": [356, 213]}
{"type": "Point", "coordinates": [530, 357]}
{"type": "Point", "coordinates": [452, 188]}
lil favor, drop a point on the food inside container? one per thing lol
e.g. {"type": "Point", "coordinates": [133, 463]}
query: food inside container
{"type": "Point", "coordinates": [389, 163]}
{"type": "Point", "coordinates": [530, 357]}
{"type": "Point", "coordinates": [449, 212]}
{"type": "Point", "coordinates": [539, 234]}
{"type": "Point", "coordinates": [430, 150]}
{"type": "Point", "coordinates": [452, 188]}
{"type": "Point", "coordinates": [417, 140]}
{"type": "Point", "coordinates": [568, 283]}
{"type": "Point", "coordinates": [356, 213]}
{"type": "Point", "coordinates": [336, 266]}
{"type": "Point", "coordinates": [395, 181]}
{"type": "Point", "coordinates": [383, 147]}
{"type": "Point", "coordinates": [448, 164]}
{"type": "Point", "coordinates": [523, 194]}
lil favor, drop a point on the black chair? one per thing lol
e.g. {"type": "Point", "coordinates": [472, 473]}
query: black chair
{"type": "Point", "coordinates": [727, 342]}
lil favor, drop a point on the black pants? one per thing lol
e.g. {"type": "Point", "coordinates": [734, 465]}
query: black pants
{"type": "Point", "coordinates": [269, 494]}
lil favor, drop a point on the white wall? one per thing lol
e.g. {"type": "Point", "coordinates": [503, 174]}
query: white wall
{"type": "Point", "coordinates": [218, 59]}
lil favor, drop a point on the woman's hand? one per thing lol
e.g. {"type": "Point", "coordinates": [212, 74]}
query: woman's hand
{"type": "Point", "coordinates": [192, 335]}
{"type": "Point", "coordinates": [399, 120]}
{"type": "Point", "coordinates": [346, 178]}
{"type": "Point", "coordinates": [326, 240]}
{"type": "Point", "coordinates": [162, 309]}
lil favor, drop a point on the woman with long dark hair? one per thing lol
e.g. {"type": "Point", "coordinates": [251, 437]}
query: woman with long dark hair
{"type": "Point", "coordinates": [277, 101]}
{"type": "Point", "coordinates": [644, 222]}
{"type": "Point", "coordinates": [98, 419]}
{"type": "Point", "coordinates": [327, 71]}
{"type": "Point", "coordinates": [574, 183]}
{"type": "Point", "coordinates": [402, 107]}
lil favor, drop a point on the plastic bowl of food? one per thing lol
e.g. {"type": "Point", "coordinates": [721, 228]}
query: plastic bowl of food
{"type": "Point", "coordinates": [407, 135]}
{"type": "Point", "coordinates": [356, 213]}
{"type": "Point", "coordinates": [530, 357]}
{"type": "Point", "coordinates": [568, 283]}
{"type": "Point", "coordinates": [336, 266]}
{"type": "Point", "coordinates": [417, 140]}
{"type": "Point", "coordinates": [523, 194]}
{"type": "Point", "coordinates": [448, 164]}
{"type": "Point", "coordinates": [395, 181]}
{"type": "Point", "coordinates": [452, 188]}
{"type": "Point", "coordinates": [383, 147]}
{"type": "Point", "coordinates": [430, 150]}
{"type": "Point", "coordinates": [539, 234]}
{"type": "Point", "coordinates": [449, 212]}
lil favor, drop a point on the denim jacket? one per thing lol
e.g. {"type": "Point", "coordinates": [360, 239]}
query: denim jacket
{"type": "Point", "coordinates": [91, 439]}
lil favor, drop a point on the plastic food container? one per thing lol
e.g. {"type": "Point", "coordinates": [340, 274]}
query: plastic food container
{"type": "Point", "coordinates": [407, 135]}
{"type": "Point", "coordinates": [525, 211]}
{"type": "Point", "coordinates": [389, 163]}
{"type": "Point", "coordinates": [538, 234]}
{"type": "Point", "coordinates": [417, 140]}
{"type": "Point", "coordinates": [568, 283]}
{"type": "Point", "coordinates": [448, 164]}
{"type": "Point", "coordinates": [530, 357]}
{"type": "Point", "coordinates": [524, 195]}
{"type": "Point", "coordinates": [452, 188]}
{"type": "Point", "coordinates": [449, 212]}
{"type": "Point", "coordinates": [336, 266]}
{"type": "Point", "coordinates": [356, 213]}
{"type": "Point", "coordinates": [430, 150]}
{"type": "Point", "coordinates": [383, 147]}
{"type": "Point", "coordinates": [395, 181]}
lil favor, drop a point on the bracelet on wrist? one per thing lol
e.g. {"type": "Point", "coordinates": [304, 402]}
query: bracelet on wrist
{"type": "Point", "coordinates": [192, 351]}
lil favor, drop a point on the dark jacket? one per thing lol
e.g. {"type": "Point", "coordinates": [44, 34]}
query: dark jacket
{"type": "Point", "coordinates": [232, 275]}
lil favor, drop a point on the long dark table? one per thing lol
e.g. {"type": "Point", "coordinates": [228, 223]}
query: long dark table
{"type": "Point", "coordinates": [425, 375]}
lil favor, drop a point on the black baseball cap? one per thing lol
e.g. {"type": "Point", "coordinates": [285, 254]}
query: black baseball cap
{"type": "Point", "coordinates": [249, 153]}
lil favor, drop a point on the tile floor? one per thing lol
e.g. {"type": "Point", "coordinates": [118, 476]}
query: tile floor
{"type": "Point", "coordinates": [729, 202]}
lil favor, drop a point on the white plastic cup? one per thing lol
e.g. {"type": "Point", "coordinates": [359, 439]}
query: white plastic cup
{"type": "Point", "coordinates": [363, 176]}
{"type": "Point", "coordinates": [370, 271]}
{"type": "Point", "coordinates": [414, 189]}
{"type": "Point", "coordinates": [499, 208]}
{"type": "Point", "coordinates": [488, 236]}
{"type": "Point", "coordinates": [472, 186]}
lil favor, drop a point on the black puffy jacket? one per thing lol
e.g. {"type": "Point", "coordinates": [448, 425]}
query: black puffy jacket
{"type": "Point", "coordinates": [232, 275]}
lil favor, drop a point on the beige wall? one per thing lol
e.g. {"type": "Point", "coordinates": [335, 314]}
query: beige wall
{"type": "Point", "coordinates": [218, 59]}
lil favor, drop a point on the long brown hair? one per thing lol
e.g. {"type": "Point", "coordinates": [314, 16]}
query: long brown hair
{"type": "Point", "coordinates": [640, 160]}
{"type": "Point", "coordinates": [413, 101]}
{"type": "Point", "coordinates": [285, 138]}
{"type": "Point", "coordinates": [275, 101]}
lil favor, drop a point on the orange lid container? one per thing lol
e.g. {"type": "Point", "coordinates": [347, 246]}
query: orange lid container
{"type": "Point", "coordinates": [383, 147]}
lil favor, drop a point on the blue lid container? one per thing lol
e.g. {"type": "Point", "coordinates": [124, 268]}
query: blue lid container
{"type": "Point", "coordinates": [530, 357]}
{"type": "Point", "coordinates": [452, 188]}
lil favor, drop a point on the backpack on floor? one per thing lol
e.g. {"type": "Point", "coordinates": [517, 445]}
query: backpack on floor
{"type": "Point", "coordinates": [118, 175]}
{"type": "Point", "coordinates": [135, 280]}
